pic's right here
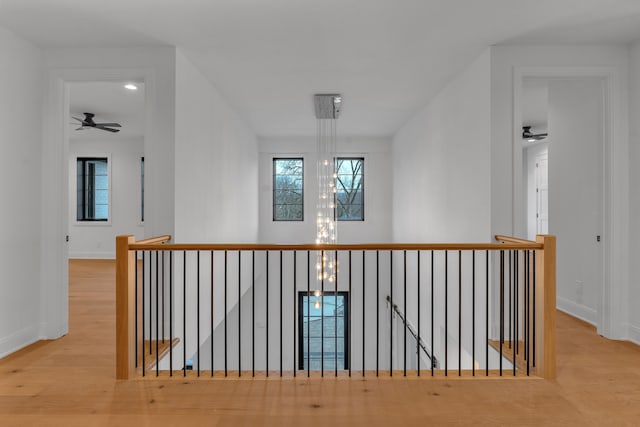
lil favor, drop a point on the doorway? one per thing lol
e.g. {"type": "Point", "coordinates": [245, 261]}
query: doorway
{"type": "Point", "coordinates": [563, 182]}
{"type": "Point", "coordinates": [106, 134]}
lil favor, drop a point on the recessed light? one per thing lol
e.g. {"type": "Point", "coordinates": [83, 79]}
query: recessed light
{"type": "Point", "coordinates": [131, 86]}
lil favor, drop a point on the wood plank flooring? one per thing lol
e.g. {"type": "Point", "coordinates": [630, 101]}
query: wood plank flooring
{"type": "Point", "coordinates": [70, 382]}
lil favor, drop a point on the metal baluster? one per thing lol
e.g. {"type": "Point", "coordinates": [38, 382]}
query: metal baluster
{"type": "Point", "coordinates": [308, 315]}
{"type": "Point", "coordinates": [239, 314]}
{"type": "Point", "coordinates": [170, 313]}
{"type": "Point", "coordinates": [405, 313]}
{"type": "Point", "coordinates": [225, 313]}
{"type": "Point", "coordinates": [253, 313]}
{"type": "Point", "coordinates": [433, 352]}
{"type": "Point", "coordinates": [363, 310]}
{"type": "Point", "coordinates": [446, 313]}
{"type": "Point", "coordinates": [143, 350]}
{"type": "Point", "coordinates": [184, 313]}
{"type": "Point", "coordinates": [322, 317]}
{"type": "Point", "coordinates": [266, 299]}
{"type": "Point", "coordinates": [459, 313]}
{"type": "Point", "coordinates": [212, 318]}
{"type": "Point", "coordinates": [418, 339]}
{"type": "Point", "coordinates": [486, 312]}
{"type": "Point", "coordinates": [281, 313]}
{"type": "Point", "coordinates": [473, 313]}
{"type": "Point", "coordinates": [335, 315]}
{"type": "Point", "coordinates": [136, 307]}
{"type": "Point", "coordinates": [295, 307]}
{"type": "Point", "coordinates": [198, 308]}
{"type": "Point", "coordinates": [501, 306]}
{"type": "Point", "coordinates": [391, 313]}
{"type": "Point", "coordinates": [377, 312]}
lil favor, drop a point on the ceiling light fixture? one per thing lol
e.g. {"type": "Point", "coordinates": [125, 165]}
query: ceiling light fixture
{"type": "Point", "coordinates": [131, 86]}
{"type": "Point", "coordinates": [327, 108]}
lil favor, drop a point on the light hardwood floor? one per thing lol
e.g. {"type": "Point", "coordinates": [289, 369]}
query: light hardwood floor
{"type": "Point", "coordinates": [70, 382]}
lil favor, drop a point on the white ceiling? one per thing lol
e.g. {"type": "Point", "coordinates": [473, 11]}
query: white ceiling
{"type": "Point", "coordinates": [110, 102]}
{"type": "Point", "coordinates": [386, 57]}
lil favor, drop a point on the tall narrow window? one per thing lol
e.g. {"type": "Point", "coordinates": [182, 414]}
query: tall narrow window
{"type": "Point", "coordinates": [142, 189]}
{"type": "Point", "coordinates": [323, 331]}
{"type": "Point", "coordinates": [92, 189]}
{"type": "Point", "coordinates": [350, 187]}
{"type": "Point", "coordinates": [288, 196]}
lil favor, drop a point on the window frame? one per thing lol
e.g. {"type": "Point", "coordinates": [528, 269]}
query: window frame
{"type": "Point", "coordinates": [300, 326]}
{"type": "Point", "coordinates": [362, 188]}
{"type": "Point", "coordinates": [93, 156]}
{"type": "Point", "coordinates": [274, 189]}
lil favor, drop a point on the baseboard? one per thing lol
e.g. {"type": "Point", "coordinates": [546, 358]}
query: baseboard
{"type": "Point", "coordinates": [634, 334]}
{"type": "Point", "coordinates": [92, 255]}
{"type": "Point", "coordinates": [17, 340]}
{"type": "Point", "coordinates": [580, 311]}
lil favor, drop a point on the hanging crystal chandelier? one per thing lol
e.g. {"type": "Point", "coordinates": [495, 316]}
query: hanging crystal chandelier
{"type": "Point", "coordinates": [327, 109]}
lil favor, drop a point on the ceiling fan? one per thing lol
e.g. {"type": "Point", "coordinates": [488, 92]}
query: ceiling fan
{"type": "Point", "coordinates": [88, 122]}
{"type": "Point", "coordinates": [530, 136]}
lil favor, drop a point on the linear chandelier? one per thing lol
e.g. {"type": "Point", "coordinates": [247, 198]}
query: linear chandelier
{"type": "Point", "coordinates": [327, 108]}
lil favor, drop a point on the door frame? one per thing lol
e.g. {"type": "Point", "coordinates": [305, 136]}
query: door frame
{"type": "Point", "coordinates": [55, 183]}
{"type": "Point", "coordinates": [608, 321]}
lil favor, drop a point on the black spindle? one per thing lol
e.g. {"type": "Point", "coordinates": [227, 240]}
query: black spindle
{"type": "Point", "coordinates": [225, 313]}
{"type": "Point", "coordinates": [239, 314]}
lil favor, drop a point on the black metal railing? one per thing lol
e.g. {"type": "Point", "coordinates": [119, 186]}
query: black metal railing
{"type": "Point", "coordinates": [232, 310]}
{"type": "Point", "coordinates": [420, 344]}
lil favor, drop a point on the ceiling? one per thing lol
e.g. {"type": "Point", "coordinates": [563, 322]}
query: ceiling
{"type": "Point", "coordinates": [386, 57]}
{"type": "Point", "coordinates": [110, 102]}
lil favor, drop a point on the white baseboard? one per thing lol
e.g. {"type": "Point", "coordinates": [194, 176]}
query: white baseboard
{"type": "Point", "coordinates": [634, 334]}
{"type": "Point", "coordinates": [17, 340]}
{"type": "Point", "coordinates": [92, 255]}
{"type": "Point", "coordinates": [580, 311]}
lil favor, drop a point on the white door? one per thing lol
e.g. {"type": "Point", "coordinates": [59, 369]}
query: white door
{"type": "Point", "coordinates": [542, 194]}
{"type": "Point", "coordinates": [576, 129]}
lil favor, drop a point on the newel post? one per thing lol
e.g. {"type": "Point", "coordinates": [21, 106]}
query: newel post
{"type": "Point", "coordinates": [546, 307]}
{"type": "Point", "coordinates": [125, 309]}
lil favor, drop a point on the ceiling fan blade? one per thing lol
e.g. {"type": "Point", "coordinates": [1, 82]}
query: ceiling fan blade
{"type": "Point", "coordinates": [113, 125]}
{"type": "Point", "coordinates": [107, 129]}
{"type": "Point", "coordinates": [78, 119]}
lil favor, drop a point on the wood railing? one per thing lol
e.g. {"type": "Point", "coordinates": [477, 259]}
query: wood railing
{"type": "Point", "coordinates": [514, 297]}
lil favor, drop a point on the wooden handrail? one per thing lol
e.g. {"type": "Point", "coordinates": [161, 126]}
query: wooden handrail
{"type": "Point", "coordinates": [509, 239]}
{"type": "Point", "coordinates": [154, 240]}
{"type": "Point", "coordinates": [341, 247]}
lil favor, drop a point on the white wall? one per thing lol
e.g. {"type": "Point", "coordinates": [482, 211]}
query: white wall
{"type": "Point", "coordinates": [216, 159]}
{"type": "Point", "coordinates": [634, 194]}
{"type": "Point", "coordinates": [216, 180]}
{"type": "Point", "coordinates": [441, 164]}
{"type": "Point", "coordinates": [376, 226]}
{"type": "Point", "coordinates": [21, 72]}
{"type": "Point", "coordinates": [507, 205]}
{"type": "Point", "coordinates": [97, 239]}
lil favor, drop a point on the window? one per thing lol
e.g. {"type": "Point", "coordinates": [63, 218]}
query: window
{"type": "Point", "coordinates": [322, 326]}
{"type": "Point", "coordinates": [142, 189]}
{"type": "Point", "coordinates": [350, 186]}
{"type": "Point", "coordinates": [288, 189]}
{"type": "Point", "coordinates": [92, 189]}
